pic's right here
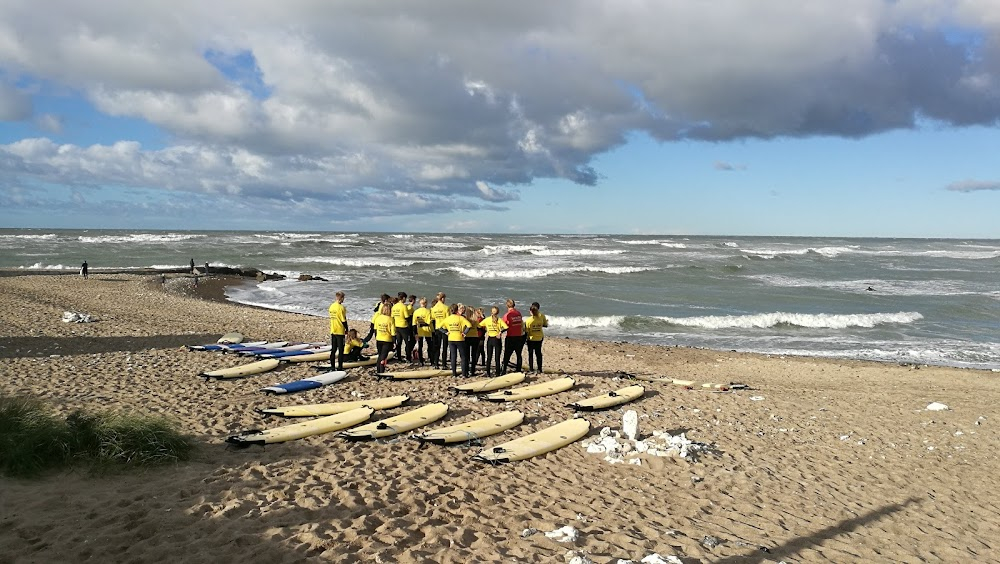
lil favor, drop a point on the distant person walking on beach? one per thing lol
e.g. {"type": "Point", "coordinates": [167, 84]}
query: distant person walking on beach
{"type": "Point", "coordinates": [83, 270]}
{"type": "Point", "coordinates": [192, 266]}
{"type": "Point", "coordinates": [338, 330]}
{"type": "Point", "coordinates": [533, 327]}
{"type": "Point", "coordinates": [514, 342]}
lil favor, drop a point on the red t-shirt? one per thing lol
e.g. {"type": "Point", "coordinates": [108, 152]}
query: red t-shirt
{"type": "Point", "coordinates": [515, 327]}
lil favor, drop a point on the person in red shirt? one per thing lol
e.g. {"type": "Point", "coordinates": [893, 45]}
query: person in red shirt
{"type": "Point", "coordinates": [514, 342]}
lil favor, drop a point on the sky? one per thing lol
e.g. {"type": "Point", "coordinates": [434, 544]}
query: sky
{"type": "Point", "coordinates": [870, 118]}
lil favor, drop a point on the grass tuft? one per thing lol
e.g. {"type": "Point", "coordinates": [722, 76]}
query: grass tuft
{"type": "Point", "coordinates": [33, 440]}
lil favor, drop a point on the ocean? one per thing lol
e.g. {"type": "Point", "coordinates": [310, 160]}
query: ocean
{"type": "Point", "coordinates": [932, 301]}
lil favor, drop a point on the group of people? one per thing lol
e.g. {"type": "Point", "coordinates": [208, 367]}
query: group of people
{"type": "Point", "coordinates": [404, 325]}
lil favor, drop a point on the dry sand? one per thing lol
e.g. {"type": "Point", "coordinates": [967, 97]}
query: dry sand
{"type": "Point", "coordinates": [838, 462]}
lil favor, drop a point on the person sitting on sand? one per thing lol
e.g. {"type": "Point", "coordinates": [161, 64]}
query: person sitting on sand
{"type": "Point", "coordinates": [353, 347]}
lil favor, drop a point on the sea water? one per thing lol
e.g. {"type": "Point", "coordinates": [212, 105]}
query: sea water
{"type": "Point", "coordinates": [933, 301]}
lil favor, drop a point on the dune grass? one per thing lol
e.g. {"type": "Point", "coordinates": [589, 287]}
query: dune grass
{"type": "Point", "coordinates": [34, 440]}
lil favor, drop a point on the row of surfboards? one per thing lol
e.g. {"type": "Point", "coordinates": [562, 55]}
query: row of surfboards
{"type": "Point", "coordinates": [346, 422]}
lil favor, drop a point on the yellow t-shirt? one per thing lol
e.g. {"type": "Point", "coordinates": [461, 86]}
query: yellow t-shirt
{"type": "Point", "coordinates": [439, 312]}
{"type": "Point", "coordinates": [338, 319]}
{"type": "Point", "coordinates": [493, 329]}
{"type": "Point", "coordinates": [385, 328]}
{"type": "Point", "coordinates": [351, 345]}
{"type": "Point", "coordinates": [423, 315]}
{"type": "Point", "coordinates": [399, 316]}
{"type": "Point", "coordinates": [456, 325]}
{"type": "Point", "coordinates": [533, 326]}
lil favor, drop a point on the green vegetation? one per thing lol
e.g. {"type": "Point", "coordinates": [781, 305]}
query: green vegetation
{"type": "Point", "coordinates": [33, 440]}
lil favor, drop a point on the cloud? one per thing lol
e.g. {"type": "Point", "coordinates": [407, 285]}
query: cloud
{"type": "Point", "coordinates": [453, 101]}
{"type": "Point", "coordinates": [724, 166]}
{"type": "Point", "coordinates": [973, 185]}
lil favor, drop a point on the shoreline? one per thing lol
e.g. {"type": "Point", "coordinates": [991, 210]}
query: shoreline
{"type": "Point", "coordinates": [816, 462]}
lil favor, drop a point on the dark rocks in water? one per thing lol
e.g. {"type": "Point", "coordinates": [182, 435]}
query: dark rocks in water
{"type": "Point", "coordinates": [307, 277]}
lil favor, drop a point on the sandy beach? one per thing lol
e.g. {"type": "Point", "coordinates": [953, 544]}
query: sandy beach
{"type": "Point", "coordinates": [820, 460]}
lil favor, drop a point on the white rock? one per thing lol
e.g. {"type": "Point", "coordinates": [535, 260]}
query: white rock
{"type": "Point", "coordinates": [630, 424]}
{"type": "Point", "coordinates": [655, 558]}
{"type": "Point", "coordinates": [936, 406]}
{"type": "Point", "coordinates": [564, 534]}
{"type": "Point", "coordinates": [596, 449]}
{"type": "Point", "coordinates": [641, 446]}
{"type": "Point", "coordinates": [635, 461]}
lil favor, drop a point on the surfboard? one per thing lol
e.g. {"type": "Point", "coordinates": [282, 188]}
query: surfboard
{"type": "Point", "coordinates": [286, 348]}
{"type": "Point", "coordinates": [311, 357]}
{"type": "Point", "coordinates": [230, 338]}
{"type": "Point", "coordinates": [490, 384]}
{"type": "Point", "coordinates": [243, 370]}
{"type": "Point", "coordinates": [222, 347]}
{"type": "Point", "coordinates": [318, 409]}
{"type": "Point", "coordinates": [299, 352]}
{"type": "Point", "coordinates": [533, 391]}
{"type": "Point", "coordinates": [414, 374]}
{"type": "Point", "coordinates": [541, 442]}
{"type": "Point", "coordinates": [305, 429]}
{"type": "Point", "coordinates": [610, 399]}
{"type": "Point", "coordinates": [398, 424]}
{"type": "Point", "coordinates": [471, 430]}
{"type": "Point", "coordinates": [263, 346]}
{"type": "Point", "coordinates": [356, 364]}
{"type": "Point", "coordinates": [306, 383]}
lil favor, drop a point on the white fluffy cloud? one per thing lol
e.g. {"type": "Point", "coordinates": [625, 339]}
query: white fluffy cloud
{"type": "Point", "coordinates": [439, 103]}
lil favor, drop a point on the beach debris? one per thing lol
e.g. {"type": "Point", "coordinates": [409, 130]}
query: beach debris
{"type": "Point", "coordinates": [756, 398]}
{"type": "Point", "coordinates": [574, 557]}
{"type": "Point", "coordinates": [710, 542]}
{"type": "Point", "coordinates": [76, 317]}
{"type": "Point", "coordinates": [528, 532]}
{"type": "Point", "coordinates": [621, 449]}
{"type": "Point", "coordinates": [630, 424]}
{"type": "Point", "coordinates": [564, 534]}
{"type": "Point", "coordinates": [936, 406]}
{"type": "Point", "coordinates": [654, 558]}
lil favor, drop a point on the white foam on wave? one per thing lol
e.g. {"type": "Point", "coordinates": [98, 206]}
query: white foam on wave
{"type": "Point", "coordinates": [502, 249]}
{"type": "Point", "coordinates": [580, 322]}
{"type": "Point", "coordinates": [141, 238]}
{"type": "Point", "coordinates": [355, 262]}
{"type": "Point", "coordinates": [829, 252]}
{"type": "Point", "coordinates": [484, 273]}
{"type": "Point", "coordinates": [47, 236]}
{"type": "Point", "coordinates": [40, 266]}
{"type": "Point", "coordinates": [942, 287]}
{"type": "Point", "coordinates": [674, 245]}
{"type": "Point", "coordinates": [807, 320]}
{"type": "Point", "coordinates": [574, 252]}
{"type": "Point", "coordinates": [642, 242]}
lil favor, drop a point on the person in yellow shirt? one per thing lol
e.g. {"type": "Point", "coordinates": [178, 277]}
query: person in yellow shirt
{"type": "Point", "coordinates": [472, 340]}
{"type": "Point", "coordinates": [411, 331]}
{"type": "Point", "coordinates": [457, 327]}
{"type": "Point", "coordinates": [338, 328]}
{"type": "Point", "coordinates": [401, 318]}
{"type": "Point", "coordinates": [439, 311]}
{"type": "Point", "coordinates": [353, 347]}
{"type": "Point", "coordinates": [533, 328]}
{"type": "Point", "coordinates": [495, 326]}
{"type": "Point", "coordinates": [385, 334]}
{"type": "Point", "coordinates": [423, 325]}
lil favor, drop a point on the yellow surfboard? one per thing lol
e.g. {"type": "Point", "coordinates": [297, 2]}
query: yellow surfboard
{"type": "Point", "coordinates": [541, 442]}
{"type": "Point", "coordinates": [473, 429]}
{"type": "Point", "coordinates": [398, 424]}
{"type": "Point", "coordinates": [415, 374]}
{"type": "Point", "coordinates": [356, 364]}
{"type": "Point", "coordinates": [533, 391]}
{"type": "Point", "coordinates": [311, 357]}
{"type": "Point", "coordinates": [490, 384]}
{"type": "Point", "coordinates": [304, 429]}
{"type": "Point", "coordinates": [610, 399]}
{"type": "Point", "coordinates": [244, 370]}
{"type": "Point", "coordinates": [318, 409]}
